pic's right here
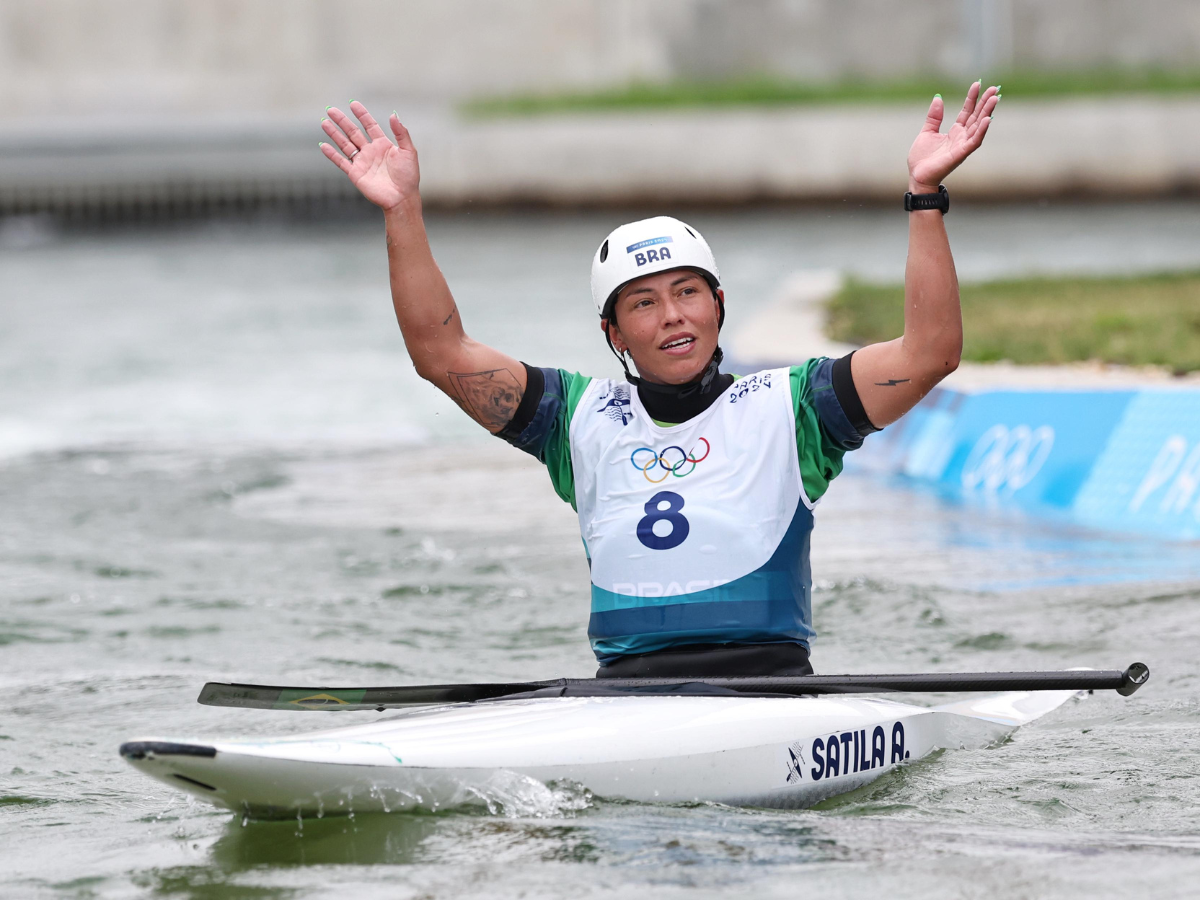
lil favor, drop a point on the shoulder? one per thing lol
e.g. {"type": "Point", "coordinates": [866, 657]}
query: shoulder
{"type": "Point", "coordinates": [814, 404]}
{"type": "Point", "coordinates": [572, 387]}
{"type": "Point", "coordinates": [816, 396]}
{"type": "Point", "coordinates": [561, 392]}
{"type": "Point", "coordinates": [550, 398]}
{"type": "Point", "coordinates": [809, 379]}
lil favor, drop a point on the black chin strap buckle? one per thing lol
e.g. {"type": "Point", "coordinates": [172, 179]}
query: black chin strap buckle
{"type": "Point", "coordinates": [701, 385]}
{"type": "Point", "coordinates": [714, 367]}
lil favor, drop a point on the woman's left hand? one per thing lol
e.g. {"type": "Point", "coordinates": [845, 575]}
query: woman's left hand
{"type": "Point", "coordinates": [934, 155]}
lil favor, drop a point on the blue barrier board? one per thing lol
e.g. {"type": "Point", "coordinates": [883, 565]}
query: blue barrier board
{"type": "Point", "coordinates": [1125, 460]}
{"type": "Point", "coordinates": [1148, 476]}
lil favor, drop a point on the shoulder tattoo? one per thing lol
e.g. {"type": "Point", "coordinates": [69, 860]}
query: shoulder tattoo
{"type": "Point", "coordinates": [490, 398]}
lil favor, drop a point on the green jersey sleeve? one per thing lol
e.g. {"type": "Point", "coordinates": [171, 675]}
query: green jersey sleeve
{"type": "Point", "coordinates": [548, 434]}
{"type": "Point", "coordinates": [821, 434]}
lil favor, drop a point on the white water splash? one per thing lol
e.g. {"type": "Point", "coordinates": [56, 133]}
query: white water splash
{"type": "Point", "coordinates": [519, 796]}
{"type": "Point", "coordinates": [502, 793]}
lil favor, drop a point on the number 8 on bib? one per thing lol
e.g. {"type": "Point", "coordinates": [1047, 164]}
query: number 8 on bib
{"type": "Point", "coordinates": [656, 513]}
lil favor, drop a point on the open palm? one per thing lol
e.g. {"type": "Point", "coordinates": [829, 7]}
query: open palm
{"type": "Point", "coordinates": [933, 155]}
{"type": "Point", "coordinates": [385, 173]}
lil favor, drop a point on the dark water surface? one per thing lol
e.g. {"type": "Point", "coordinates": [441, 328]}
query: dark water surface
{"type": "Point", "coordinates": [216, 463]}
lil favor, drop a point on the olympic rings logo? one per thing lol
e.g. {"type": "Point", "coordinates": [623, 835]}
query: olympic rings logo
{"type": "Point", "coordinates": [1005, 459]}
{"type": "Point", "coordinates": [666, 461]}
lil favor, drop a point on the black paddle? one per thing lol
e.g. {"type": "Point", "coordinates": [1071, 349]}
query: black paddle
{"type": "Point", "coordinates": [255, 696]}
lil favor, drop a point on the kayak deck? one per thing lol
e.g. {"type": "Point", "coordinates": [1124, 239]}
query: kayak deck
{"type": "Point", "coordinates": [745, 751]}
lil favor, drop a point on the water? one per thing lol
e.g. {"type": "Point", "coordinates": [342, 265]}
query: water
{"type": "Point", "coordinates": [217, 463]}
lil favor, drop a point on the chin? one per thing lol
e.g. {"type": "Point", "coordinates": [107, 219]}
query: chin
{"type": "Point", "coordinates": [681, 371]}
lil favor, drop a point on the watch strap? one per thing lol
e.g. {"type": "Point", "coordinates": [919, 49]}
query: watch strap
{"type": "Point", "coordinates": [940, 200]}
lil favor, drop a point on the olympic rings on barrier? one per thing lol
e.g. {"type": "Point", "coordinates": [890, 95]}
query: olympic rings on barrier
{"type": "Point", "coordinates": [1005, 459]}
{"type": "Point", "coordinates": [666, 463]}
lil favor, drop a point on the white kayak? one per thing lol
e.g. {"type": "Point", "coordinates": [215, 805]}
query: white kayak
{"type": "Point", "coordinates": [785, 752]}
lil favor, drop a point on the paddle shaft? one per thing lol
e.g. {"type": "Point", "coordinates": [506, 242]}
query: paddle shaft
{"type": "Point", "coordinates": [271, 697]}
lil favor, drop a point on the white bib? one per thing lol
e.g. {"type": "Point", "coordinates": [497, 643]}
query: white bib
{"type": "Point", "coordinates": [696, 532]}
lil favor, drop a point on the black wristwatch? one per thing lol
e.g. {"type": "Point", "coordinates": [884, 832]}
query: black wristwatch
{"type": "Point", "coordinates": [940, 200]}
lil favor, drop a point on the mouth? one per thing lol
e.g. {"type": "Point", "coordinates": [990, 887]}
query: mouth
{"type": "Point", "coordinates": [678, 345]}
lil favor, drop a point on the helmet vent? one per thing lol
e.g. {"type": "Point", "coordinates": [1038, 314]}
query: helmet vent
{"type": "Point", "coordinates": [604, 251]}
{"type": "Point", "coordinates": [689, 231]}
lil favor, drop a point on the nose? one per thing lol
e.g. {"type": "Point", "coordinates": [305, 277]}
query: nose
{"type": "Point", "coordinates": [672, 311]}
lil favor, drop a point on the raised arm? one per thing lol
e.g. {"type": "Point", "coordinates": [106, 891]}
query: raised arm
{"type": "Point", "coordinates": [486, 383]}
{"type": "Point", "coordinates": [892, 377]}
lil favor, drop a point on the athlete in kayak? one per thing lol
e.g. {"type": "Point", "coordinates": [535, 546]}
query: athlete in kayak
{"type": "Point", "coordinates": [694, 487]}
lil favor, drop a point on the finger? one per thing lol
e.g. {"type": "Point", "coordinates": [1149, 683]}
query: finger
{"type": "Point", "coordinates": [969, 103]}
{"type": "Point", "coordinates": [334, 157]}
{"type": "Point", "coordinates": [933, 118]}
{"type": "Point", "coordinates": [985, 108]}
{"type": "Point", "coordinates": [403, 138]}
{"type": "Point", "coordinates": [374, 132]}
{"type": "Point", "coordinates": [976, 138]}
{"type": "Point", "coordinates": [335, 134]}
{"type": "Point", "coordinates": [981, 107]}
{"type": "Point", "coordinates": [347, 125]}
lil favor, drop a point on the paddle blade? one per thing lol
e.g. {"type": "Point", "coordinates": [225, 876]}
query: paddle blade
{"type": "Point", "coordinates": [255, 696]}
{"type": "Point", "coordinates": [261, 696]}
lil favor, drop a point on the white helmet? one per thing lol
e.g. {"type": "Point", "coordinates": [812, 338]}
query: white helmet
{"type": "Point", "coordinates": [645, 248]}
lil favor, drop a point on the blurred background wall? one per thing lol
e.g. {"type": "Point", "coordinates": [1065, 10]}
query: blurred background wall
{"type": "Point", "coordinates": [110, 102]}
{"type": "Point", "coordinates": [60, 57]}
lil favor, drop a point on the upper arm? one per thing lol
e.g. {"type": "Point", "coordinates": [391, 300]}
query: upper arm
{"type": "Point", "coordinates": [486, 383]}
{"type": "Point", "coordinates": [890, 381]}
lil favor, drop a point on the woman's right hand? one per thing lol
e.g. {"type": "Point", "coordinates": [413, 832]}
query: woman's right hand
{"type": "Point", "coordinates": [387, 174]}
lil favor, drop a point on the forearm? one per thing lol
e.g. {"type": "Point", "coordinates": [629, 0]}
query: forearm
{"type": "Point", "coordinates": [425, 308]}
{"type": "Point", "coordinates": [932, 342]}
{"type": "Point", "coordinates": [892, 377]}
{"type": "Point", "coordinates": [486, 383]}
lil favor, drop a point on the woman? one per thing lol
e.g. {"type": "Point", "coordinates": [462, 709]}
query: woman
{"type": "Point", "coordinates": [694, 488]}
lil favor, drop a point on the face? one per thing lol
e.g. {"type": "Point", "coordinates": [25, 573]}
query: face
{"type": "Point", "coordinates": [668, 322]}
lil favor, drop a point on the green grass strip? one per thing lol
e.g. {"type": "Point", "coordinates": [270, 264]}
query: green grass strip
{"type": "Point", "coordinates": [1146, 320]}
{"type": "Point", "coordinates": [767, 91]}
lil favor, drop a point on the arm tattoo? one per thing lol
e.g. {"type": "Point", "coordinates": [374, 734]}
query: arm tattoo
{"type": "Point", "coordinates": [490, 398]}
{"type": "Point", "coordinates": [453, 310]}
{"type": "Point", "coordinates": [892, 382]}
